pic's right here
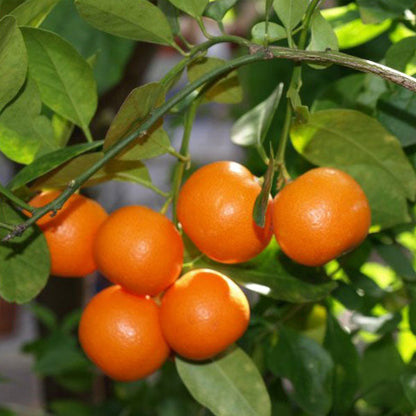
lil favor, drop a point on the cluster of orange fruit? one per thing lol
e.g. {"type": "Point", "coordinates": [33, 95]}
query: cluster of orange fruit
{"type": "Point", "coordinates": [126, 332]}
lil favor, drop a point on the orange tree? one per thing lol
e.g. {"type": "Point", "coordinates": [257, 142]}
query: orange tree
{"type": "Point", "coordinates": [335, 337]}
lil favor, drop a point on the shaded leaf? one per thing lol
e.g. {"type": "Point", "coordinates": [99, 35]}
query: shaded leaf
{"type": "Point", "coordinates": [45, 315]}
{"type": "Point", "coordinates": [251, 128]}
{"type": "Point", "coordinates": [24, 261]}
{"type": "Point", "coordinates": [358, 144]}
{"type": "Point", "coordinates": [346, 376]}
{"type": "Point", "coordinates": [290, 12]}
{"type": "Point", "coordinates": [275, 32]}
{"type": "Point", "coordinates": [172, 15]}
{"type": "Point", "coordinates": [13, 58]}
{"type": "Point", "coordinates": [228, 385]}
{"type": "Point", "coordinates": [70, 408]}
{"type": "Point", "coordinates": [6, 6]}
{"type": "Point", "coordinates": [402, 55]}
{"type": "Point", "coordinates": [376, 11]}
{"type": "Point", "coordinates": [65, 80]}
{"type": "Point", "coordinates": [227, 90]}
{"type": "Point", "coordinates": [194, 8]}
{"type": "Point", "coordinates": [409, 386]}
{"type": "Point", "coordinates": [24, 132]}
{"type": "Point", "coordinates": [309, 368]}
{"type": "Point", "coordinates": [272, 274]}
{"type": "Point", "coordinates": [131, 19]}
{"type": "Point", "coordinates": [217, 9]}
{"type": "Point", "coordinates": [33, 12]}
{"type": "Point", "coordinates": [48, 162]}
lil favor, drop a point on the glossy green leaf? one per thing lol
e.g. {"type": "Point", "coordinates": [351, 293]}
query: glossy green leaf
{"type": "Point", "coordinates": [122, 170]}
{"type": "Point", "coordinates": [251, 128]}
{"type": "Point", "coordinates": [24, 261]}
{"type": "Point", "coordinates": [112, 53]}
{"type": "Point", "coordinates": [402, 55]}
{"type": "Point", "coordinates": [131, 19]}
{"type": "Point", "coordinates": [24, 132]}
{"type": "Point", "coordinates": [376, 11]}
{"type": "Point", "coordinates": [194, 8]}
{"type": "Point", "coordinates": [408, 382]}
{"type": "Point", "coordinates": [358, 144]}
{"type": "Point", "coordinates": [275, 32]}
{"type": "Point", "coordinates": [323, 36]}
{"type": "Point", "coordinates": [228, 90]}
{"type": "Point", "coordinates": [13, 58]}
{"type": "Point", "coordinates": [290, 12]}
{"type": "Point", "coordinates": [382, 367]}
{"type": "Point", "coordinates": [172, 15]}
{"type": "Point", "coordinates": [350, 29]}
{"type": "Point", "coordinates": [133, 112]}
{"type": "Point", "coordinates": [64, 78]}
{"type": "Point", "coordinates": [33, 12]}
{"type": "Point", "coordinates": [346, 375]}
{"type": "Point", "coordinates": [48, 162]}
{"type": "Point", "coordinates": [217, 9]}
{"type": "Point", "coordinates": [309, 368]}
{"type": "Point", "coordinates": [272, 274]}
{"type": "Point", "coordinates": [396, 110]}
{"type": "Point", "coordinates": [228, 385]}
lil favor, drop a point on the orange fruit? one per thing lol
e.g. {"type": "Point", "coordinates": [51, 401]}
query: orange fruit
{"type": "Point", "coordinates": [139, 249]}
{"type": "Point", "coordinates": [203, 313]}
{"type": "Point", "coordinates": [215, 208]}
{"type": "Point", "coordinates": [70, 233]}
{"type": "Point", "coordinates": [120, 333]}
{"type": "Point", "coordinates": [320, 215]}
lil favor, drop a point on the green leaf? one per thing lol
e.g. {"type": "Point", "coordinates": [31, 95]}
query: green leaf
{"type": "Point", "coordinates": [382, 367]}
{"type": "Point", "coordinates": [396, 110]}
{"type": "Point", "coordinates": [323, 36]}
{"type": "Point", "coordinates": [272, 274]}
{"type": "Point", "coordinates": [24, 132]}
{"type": "Point", "coordinates": [275, 32]}
{"type": "Point", "coordinates": [227, 90]}
{"type": "Point", "coordinates": [64, 78]}
{"type": "Point", "coordinates": [346, 376]}
{"type": "Point", "coordinates": [309, 368]}
{"type": "Point", "coordinates": [251, 128]}
{"type": "Point", "coordinates": [346, 21]}
{"type": "Point", "coordinates": [62, 129]}
{"type": "Point", "coordinates": [359, 145]}
{"type": "Point", "coordinates": [229, 385]}
{"type": "Point", "coordinates": [402, 55]}
{"type": "Point", "coordinates": [133, 112]}
{"type": "Point", "coordinates": [290, 12]}
{"type": "Point", "coordinates": [6, 412]}
{"type": "Point", "coordinates": [48, 162]}
{"type": "Point", "coordinates": [45, 315]}
{"type": "Point", "coordinates": [172, 15]}
{"type": "Point", "coordinates": [112, 53]}
{"type": "Point", "coordinates": [24, 261]}
{"type": "Point", "coordinates": [376, 11]}
{"type": "Point", "coordinates": [409, 386]}
{"type": "Point", "coordinates": [70, 408]}
{"type": "Point", "coordinates": [122, 170]}
{"type": "Point", "coordinates": [195, 8]}
{"type": "Point", "coordinates": [217, 9]}
{"type": "Point", "coordinates": [13, 60]}
{"type": "Point", "coordinates": [33, 12]}
{"type": "Point", "coordinates": [6, 6]}
{"type": "Point", "coordinates": [412, 316]}
{"type": "Point", "coordinates": [131, 19]}
{"type": "Point", "coordinates": [263, 200]}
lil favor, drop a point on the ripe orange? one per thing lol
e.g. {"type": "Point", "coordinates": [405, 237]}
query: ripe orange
{"type": "Point", "coordinates": [70, 233]}
{"type": "Point", "coordinates": [120, 332]}
{"type": "Point", "coordinates": [203, 313]}
{"type": "Point", "coordinates": [139, 249]}
{"type": "Point", "coordinates": [215, 208]}
{"type": "Point", "coordinates": [320, 215]}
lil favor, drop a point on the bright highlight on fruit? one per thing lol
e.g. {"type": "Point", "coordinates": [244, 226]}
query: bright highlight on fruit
{"type": "Point", "coordinates": [70, 233]}
{"type": "Point", "coordinates": [203, 313]}
{"type": "Point", "coordinates": [120, 332]}
{"type": "Point", "coordinates": [139, 249]}
{"type": "Point", "coordinates": [320, 215]}
{"type": "Point", "coordinates": [215, 208]}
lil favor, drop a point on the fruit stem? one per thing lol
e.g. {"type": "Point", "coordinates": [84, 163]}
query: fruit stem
{"type": "Point", "coordinates": [181, 166]}
{"type": "Point", "coordinates": [13, 198]}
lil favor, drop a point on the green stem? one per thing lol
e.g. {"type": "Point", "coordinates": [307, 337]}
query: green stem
{"type": "Point", "coordinates": [88, 135]}
{"type": "Point", "coordinates": [203, 28]}
{"type": "Point", "coordinates": [13, 198]}
{"type": "Point", "coordinates": [256, 54]}
{"type": "Point", "coordinates": [181, 165]}
{"type": "Point", "coordinates": [182, 158]}
{"type": "Point", "coordinates": [6, 226]}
